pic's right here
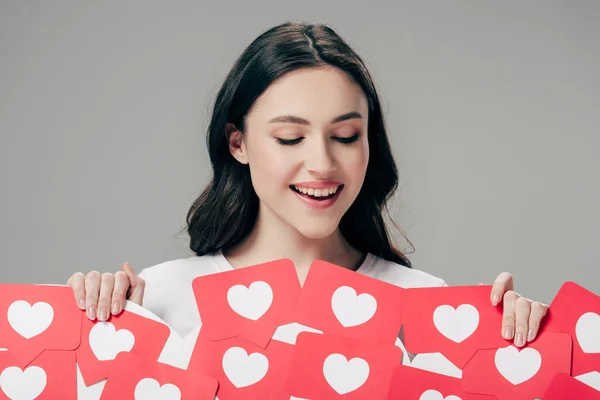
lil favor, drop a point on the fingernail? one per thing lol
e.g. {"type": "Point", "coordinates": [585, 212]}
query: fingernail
{"type": "Point", "coordinates": [102, 314]}
{"type": "Point", "coordinates": [519, 339]}
{"type": "Point", "coordinates": [115, 308]}
{"type": "Point", "coordinates": [530, 335]}
{"type": "Point", "coordinates": [82, 303]}
{"type": "Point", "coordinates": [508, 333]}
{"type": "Point", "coordinates": [91, 312]}
{"type": "Point", "coordinates": [495, 299]}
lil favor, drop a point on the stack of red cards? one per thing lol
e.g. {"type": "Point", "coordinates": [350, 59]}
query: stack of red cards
{"type": "Point", "coordinates": [263, 336]}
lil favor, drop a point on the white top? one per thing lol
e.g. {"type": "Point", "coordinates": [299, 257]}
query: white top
{"type": "Point", "coordinates": [169, 294]}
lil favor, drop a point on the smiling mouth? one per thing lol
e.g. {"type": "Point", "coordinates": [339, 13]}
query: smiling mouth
{"type": "Point", "coordinates": [317, 194]}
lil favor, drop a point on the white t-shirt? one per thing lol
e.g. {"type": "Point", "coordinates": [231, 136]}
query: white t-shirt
{"type": "Point", "coordinates": [169, 294]}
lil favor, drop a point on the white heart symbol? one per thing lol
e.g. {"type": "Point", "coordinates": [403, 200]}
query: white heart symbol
{"type": "Point", "coordinates": [435, 395]}
{"type": "Point", "coordinates": [350, 309]}
{"type": "Point", "coordinates": [345, 376]}
{"type": "Point", "coordinates": [250, 302]}
{"type": "Point", "coordinates": [150, 389]}
{"type": "Point", "coordinates": [587, 330]}
{"type": "Point", "coordinates": [29, 321]}
{"type": "Point", "coordinates": [23, 385]}
{"type": "Point", "coordinates": [106, 342]}
{"type": "Point", "coordinates": [457, 325]}
{"type": "Point", "coordinates": [243, 369]}
{"type": "Point", "coordinates": [518, 366]}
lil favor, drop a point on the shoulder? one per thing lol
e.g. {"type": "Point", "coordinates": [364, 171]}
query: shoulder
{"type": "Point", "coordinates": [185, 267]}
{"type": "Point", "coordinates": [399, 275]}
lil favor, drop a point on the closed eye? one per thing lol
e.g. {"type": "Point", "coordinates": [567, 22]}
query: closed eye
{"type": "Point", "coordinates": [347, 140]}
{"type": "Point", "coordinates": [289, 142]}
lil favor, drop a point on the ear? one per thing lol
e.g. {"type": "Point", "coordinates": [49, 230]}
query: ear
{"type": "Point", "coordinates": [237, 147]}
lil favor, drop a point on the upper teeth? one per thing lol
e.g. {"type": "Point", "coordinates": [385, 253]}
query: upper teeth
{"type": "Point", "coordinates": [317, 192]}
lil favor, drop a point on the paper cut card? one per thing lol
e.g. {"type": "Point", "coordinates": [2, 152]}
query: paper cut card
{"type": "Point", "coordinates": [576, 311]}
{"type": "Point", "coordinates": [251, 301]}
{"type": "Point", "coordinates": [34, 318]}
{"type": "Point", "coordinates": [330, 366]}
{"type": "Point", "coordinates": [135, 377]}
{"type": "Point", "coordinates": [512, 373]}
{"type": "Point", "coordinates": [455, 321]}
{"type": "Point", "coordinates": [101, 342]}
{"type": "Point", "coordinates": [342, 302]}
{"type": "Point", "coordinates": [50, 376]}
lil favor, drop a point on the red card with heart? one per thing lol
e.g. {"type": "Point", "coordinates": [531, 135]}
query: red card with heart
{"type": "Point", "coordinates": [34, 318]}
{"type": "Point", "coordinates": [50, 376]}
{"type": "Point", "coordinates": [576, 311]}
{"type": "Point", "coordinates": [565, 387]}
{"type": "Point", "coordinates": [243, 369]}
{"type": "Point", "coordinates": [455, 321]}
{"type": "Point", "coordinates": [410, 383]}
{"type": "Point", "coordinates": [512, 373]}
{"type": "Point", "coordinates": [101, 342]}
{"type": "Point", "coordinates": [251, 301]}
{"type": "Point", "coordinates": [339, 301]}
{"type": "Point", "coordinates": [332, 367]}
{"type": "Point", "coordinates": [134, 377]}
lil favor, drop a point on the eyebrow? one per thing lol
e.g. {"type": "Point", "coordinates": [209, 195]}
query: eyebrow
{"type": "Point", "coordinates": [292, 119]}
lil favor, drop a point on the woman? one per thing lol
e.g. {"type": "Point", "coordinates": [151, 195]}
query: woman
{"type": "Point", "coordinates": [302, 169]}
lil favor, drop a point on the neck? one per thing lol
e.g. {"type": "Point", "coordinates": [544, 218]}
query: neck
{"type": "Point", "coordinates": [272, 239]}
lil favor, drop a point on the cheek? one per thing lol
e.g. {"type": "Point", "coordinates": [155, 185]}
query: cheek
{"type": "Point", "coordinates": [269, 168]}
{"type": "Point", "coordinates": [355, 163]}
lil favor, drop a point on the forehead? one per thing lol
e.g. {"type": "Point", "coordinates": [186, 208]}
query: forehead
{"type": "Point", "coordinates": [317, 94]}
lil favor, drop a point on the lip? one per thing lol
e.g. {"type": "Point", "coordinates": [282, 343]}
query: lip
{"type": "Point", "coordinates": [319, 204]}
{"type": "Point", "coordinates": [317, 184]}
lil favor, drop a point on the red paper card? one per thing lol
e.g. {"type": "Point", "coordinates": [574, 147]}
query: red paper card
{"type": "Point", "coordinates": [251, 302]}
{"type": "Point", "coordinates": [50, 376]}
{"type": "Point", "coordinates": [455, 321]}
{"type": "Point", "coordinates": [332, 367]}
{"type": "Point", "coordinates": [34, 318]}
{"type": "Point", "coordinates": [102, 341]}
{"type": "Point", "coordinates": [576, 311]}
{"type": "Point", "coordinates": [243, 369]}
{"type": "Point", "coordinates": [511, 373]}
{"type": "Point", "coordinates": [410, 383]}
{"type": "Point", "coordinates": [565, 387]}
{"type": "Point", "coordinates": [134, 376]}
{"type": "Point", "coordinates": [339, 301]}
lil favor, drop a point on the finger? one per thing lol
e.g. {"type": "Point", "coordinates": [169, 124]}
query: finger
{"type": "Point", "coordinates": [130, 274]}
{"type": "Point", "coordinates": [136, 290]}
{"type": "Point", "coordinates": [92, 291]}
{"type": "Point", "coordinates": [77, 282]}
{"type": "Point", "coordinates": [120, 292]}
{"type": "Point", "coordinates": [508, 319]}
{"type": "Point", "coordinates": [106, 288]}
{"type": "Point", "coordinates": [522, 312]}
{"type": "Point", "coordinates": [137, 294]}
{"type": "Point", "coordinates": [538, 311]}
{"type": "Point", "coordinates": [502, 284]}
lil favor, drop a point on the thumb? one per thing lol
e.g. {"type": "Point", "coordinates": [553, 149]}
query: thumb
{"type": "Point", "coordinates": [136, 290]}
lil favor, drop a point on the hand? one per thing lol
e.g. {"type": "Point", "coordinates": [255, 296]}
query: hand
{"type": "Point", "coordinates": [522, 317]}
{"type": "Point", "coordinates": [107, 292]}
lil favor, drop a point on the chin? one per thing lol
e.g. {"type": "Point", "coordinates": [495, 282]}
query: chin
{"type": "Point", "coordinates": [317, 231]}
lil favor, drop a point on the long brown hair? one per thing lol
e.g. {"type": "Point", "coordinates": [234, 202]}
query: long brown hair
{"type": "Point", "coordinates": [226, 211]}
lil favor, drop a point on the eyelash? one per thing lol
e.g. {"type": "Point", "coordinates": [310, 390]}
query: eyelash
{"type": "Point", "coordinates": [342, 140]}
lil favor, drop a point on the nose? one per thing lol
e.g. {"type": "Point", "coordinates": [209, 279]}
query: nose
{"type": "Point", "coordinates": [319, 160]}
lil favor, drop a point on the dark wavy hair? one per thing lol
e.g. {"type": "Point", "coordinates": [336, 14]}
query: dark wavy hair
{"type": "Point", "coordinates": [226, 211]}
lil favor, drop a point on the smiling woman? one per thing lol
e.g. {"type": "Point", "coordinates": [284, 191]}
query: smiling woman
{"type": "Point", "coordinates": [302, 169]}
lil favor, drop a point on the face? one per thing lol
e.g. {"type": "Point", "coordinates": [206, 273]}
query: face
{"type": "Point", "coordinates": [307, 149]}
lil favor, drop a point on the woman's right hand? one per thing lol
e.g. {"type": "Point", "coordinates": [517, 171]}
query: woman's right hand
{"type": "Point", "coordinates": [102, 294]}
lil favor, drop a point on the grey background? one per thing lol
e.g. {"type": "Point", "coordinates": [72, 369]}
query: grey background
{"type": "Point", "coordinates": [492, 109]}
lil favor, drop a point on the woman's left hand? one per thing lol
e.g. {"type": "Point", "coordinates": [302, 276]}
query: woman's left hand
{"type": "Point", "coordinates": [522, 317]}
